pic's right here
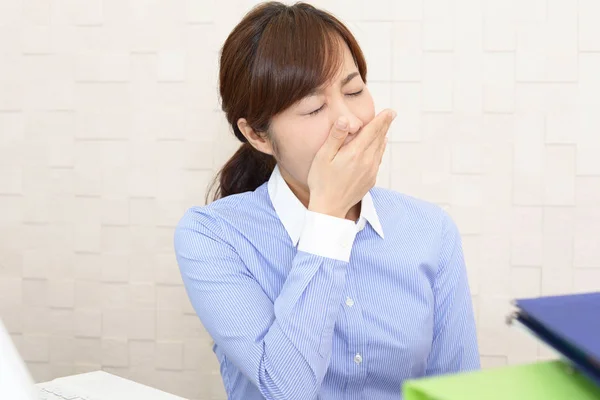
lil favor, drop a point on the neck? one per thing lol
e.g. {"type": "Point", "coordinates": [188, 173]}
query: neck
{"type": "Point", "coordinates": [302, 192]}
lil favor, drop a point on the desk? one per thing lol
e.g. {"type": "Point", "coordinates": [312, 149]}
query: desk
{"type": "Point", "coordinates": [104, 386]}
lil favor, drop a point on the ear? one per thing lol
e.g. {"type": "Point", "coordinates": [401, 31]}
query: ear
{"type": "Point", "coordinates": [258, 141]}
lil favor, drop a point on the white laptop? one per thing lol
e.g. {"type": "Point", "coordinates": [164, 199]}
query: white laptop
{"type": "Point", "coordinates": [16, 382]}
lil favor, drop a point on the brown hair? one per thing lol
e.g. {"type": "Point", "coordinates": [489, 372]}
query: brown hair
{"type": "Point", "coordinates": [274, 57]}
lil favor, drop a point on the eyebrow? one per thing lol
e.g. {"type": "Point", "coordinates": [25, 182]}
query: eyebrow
{"type": "Point", "coordinates": [345, 81]}
{"type": "Point", "coordinates": [349, 78]}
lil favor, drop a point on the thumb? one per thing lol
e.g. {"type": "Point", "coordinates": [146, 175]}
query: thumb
{"type": "Point", "coordinates": [337, 136]}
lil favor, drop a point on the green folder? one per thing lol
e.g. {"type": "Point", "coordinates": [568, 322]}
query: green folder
{"type": "Point", "coordinates": [547, 380]}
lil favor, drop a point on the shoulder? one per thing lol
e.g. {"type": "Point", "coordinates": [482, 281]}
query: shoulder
{"type": "Point", "coordinates": [208, 217]}
{"type": "Point", "coordinates": [218, 221]}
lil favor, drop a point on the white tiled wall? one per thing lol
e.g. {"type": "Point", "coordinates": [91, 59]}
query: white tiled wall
{"type": "Point", "coordinates": [110, 129]}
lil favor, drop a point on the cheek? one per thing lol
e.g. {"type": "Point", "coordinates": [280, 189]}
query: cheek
{"type": "Point", "coordinates": [313, 137]}
{"type": "Point", "coordinates": [298, 145]}
{"type": "Point", "coordinates": [307, 136]}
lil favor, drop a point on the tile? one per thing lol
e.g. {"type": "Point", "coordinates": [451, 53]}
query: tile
{"type": "Point", "coordinates": [35, 348]}
{"type": "Point", "coordinates": [529, 145]}
{"type": "Point", "coordinates": [377, 10]}
{"type": "Point", "coordinates": [587, 163]}
{"type": "Point", "coordinates": [61, 350]}
{"type": "Point", "coordinates": [169, 325]}
{"type": "Point", "coordinates": [586, 252]}
{"type": "Point", "coordinates": [88, 350]}
{"type": "Point", "coordinates": [115, 322]}
{"type": "Point", "coordinates": [557, 254]}
{"type": "Point", "coordinates": [143, 295]}
{"type": "Point", "coordinates": [557, 281]}
{"type": "Point", "coordinates": [88, 322]}
{"type": "Point", "coordinates": [589, 32]}
{"type": "Point", "coordinates": [586, 280]}
{"type": "Point", "coordinates": [489, 362]}
{"type": "Point", "coordinates": [11, 291]}
{"type": "Point", "coordinates": [375, 38]}
{"type": "Point", "coordinates": [142, 324]}
{"type": "Point", "coordinates": [525, 282]}
{"type": "Point", "coordinates": [36, 12]}
{"type": "Point", "coordinates": [89, 294]}
{"type": "Point", "coordinates": [169, 355]}
{"type": "Point", "coordinates": [527, 220]}
{"type": "Point", "coordinates": [407, 10]}
{"type": "Point", "coordinates": [115, 268]}
{"type": "Point", "coordinates": [115, 295]}
{"type": "Point", "coordinates": [587, 190]}
{"type": "Point", "coordinates": [467, 158]}
{"type": "Point", "coordinates": [202, 11]}
{"type": "Point", "coordinates": [61, 293]}
{"type": "Point", "coordinates": [526, 250]}
{"type": "Point", "coordinates": [115, 353]}
{"type": "Point", "coordinates": [170, 297]}
{"type": "Point", "coordinates": [531, 10]}
{"type": "Point", "coordinates": [560, 175]}
{"type": "Point", "coordinates": [438, 35]}
{"type": "Point", "coordinates": [35, 292]}
{"type": "Point", "coordinates": [141, 353]}
{"type": "Point", "coordinates": [171, 66]}
{"type": "Point", "coordinates": [499, 35]}
{"type": "Point", "coordinates": [523, 347]}
{"type": "Point", "coordinates": [466, 190]}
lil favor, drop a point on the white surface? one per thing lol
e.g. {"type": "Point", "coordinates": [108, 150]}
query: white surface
{"type": "Point", "coordinates": [100, 385]}
{"type": "Point", "coordinates": [15, 381]}
{"type": "Point", "coordinates": [50, 391]}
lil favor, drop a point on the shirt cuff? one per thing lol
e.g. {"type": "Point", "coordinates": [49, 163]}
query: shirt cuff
{"type": "Point", "coordinates": [327, 236]}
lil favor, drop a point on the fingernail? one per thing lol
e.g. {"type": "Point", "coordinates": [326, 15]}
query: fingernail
{"type": "Point", "coordinates": [394, 114]}
{"type": "Point", "coordinates": [341, 123]}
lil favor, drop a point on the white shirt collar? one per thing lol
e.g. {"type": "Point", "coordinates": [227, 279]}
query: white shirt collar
{"type": "Point", "coordinates": [292, 212]}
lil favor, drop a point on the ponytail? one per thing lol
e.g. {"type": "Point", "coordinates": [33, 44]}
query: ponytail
{"type": "Point", "coordinates": [245, 171]}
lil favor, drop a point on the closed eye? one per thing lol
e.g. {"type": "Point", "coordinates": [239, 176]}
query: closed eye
{"type": "Point", "coordinates": [318, 110]}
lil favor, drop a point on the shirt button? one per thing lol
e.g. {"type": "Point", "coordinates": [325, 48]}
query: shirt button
{"type": "Point", "coordinates": [358, 358]}
{"type": "Point", "coordinates": [349, 302]}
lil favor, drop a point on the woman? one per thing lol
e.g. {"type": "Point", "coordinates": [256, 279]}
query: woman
{"type": "Point", "coordinates": [311, 282]}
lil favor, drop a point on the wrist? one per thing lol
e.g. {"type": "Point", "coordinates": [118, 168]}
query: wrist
{"type": "Point", "coordinates": [326, 208]}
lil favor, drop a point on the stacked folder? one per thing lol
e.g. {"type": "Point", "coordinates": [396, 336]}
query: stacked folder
{"type": "Point", "coordinates": [569, 324]}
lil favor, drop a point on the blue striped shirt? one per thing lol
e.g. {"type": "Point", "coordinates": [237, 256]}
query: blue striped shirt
{"type": "Point", "coordinates": [302, 305]}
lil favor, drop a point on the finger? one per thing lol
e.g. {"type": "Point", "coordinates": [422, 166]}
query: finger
{"type": "Point", "coordinates": [381, 139]}
{"type": "Point", "coordinates": [382, 149]}
{"type": "Point", "coordinates": [374, 129]}
{"type": "Point", "coordinates": [336, 138]}
{"type": "Point", "coordinates": [377, 147]}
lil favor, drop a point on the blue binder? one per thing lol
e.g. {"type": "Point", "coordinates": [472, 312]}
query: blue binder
{"type": "Point", "coordinates": [570, 324]}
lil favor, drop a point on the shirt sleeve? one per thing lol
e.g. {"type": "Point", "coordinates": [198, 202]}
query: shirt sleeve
{"type": "Point", "coordinates": [283, 347]}
{"type": "Point", "coordinates": [327, 236]}
{"type": "Point", "coordinates": [454, 347]}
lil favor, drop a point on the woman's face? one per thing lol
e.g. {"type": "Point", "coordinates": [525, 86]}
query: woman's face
{"type": "Point", "coordinates": [299, 131]}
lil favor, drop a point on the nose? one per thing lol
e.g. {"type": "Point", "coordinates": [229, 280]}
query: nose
{"type": "Point", "coordinates": [342, 109]}
{"type": "Point", "coordinates": [354, 123]}
{"type": "Point", "coordinates": [354, 126]}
